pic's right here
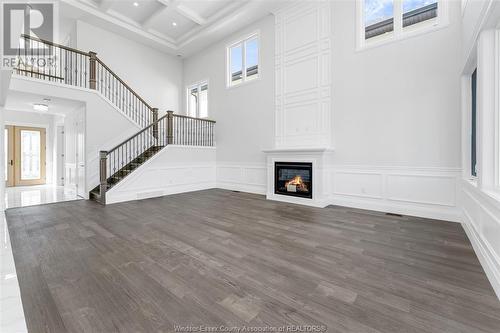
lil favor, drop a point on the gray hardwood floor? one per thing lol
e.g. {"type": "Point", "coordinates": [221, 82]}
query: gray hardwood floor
{"type": "Point", "coordinates": [219, 258]}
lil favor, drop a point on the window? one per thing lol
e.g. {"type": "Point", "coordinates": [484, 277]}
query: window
{"type": "Point", "coordinates": [197, 100]}
{"type": "Point", "coordinates": [395, 19]}
{"type": "Point", "coordinates": [473, 157]}
{"type": "Point", "coordinates": [378, 18]}
{"type": "Point", "coordinates": [243, 61]}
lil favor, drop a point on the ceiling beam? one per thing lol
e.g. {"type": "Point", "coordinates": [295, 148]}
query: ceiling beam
{"type": "Point", "coordinates": [190, 14]}
{"type": "Point", "coordinates": [166, 3]}
{"type": "Point", "coordinates": [104, 5]}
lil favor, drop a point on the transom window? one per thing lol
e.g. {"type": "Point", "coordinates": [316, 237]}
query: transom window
{"type": "Point", "coordinates": [243, 61]}
{"type": "Point", "coordinates": [395, 19]}
{"type": "Point", "coordinates": [197, 100]}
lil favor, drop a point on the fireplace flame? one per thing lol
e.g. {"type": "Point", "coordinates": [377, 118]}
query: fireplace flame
{"type": "Point", "coordinates": [298, 182]}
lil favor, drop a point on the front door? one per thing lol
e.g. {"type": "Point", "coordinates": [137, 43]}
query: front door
{"type": "Point", "coordinates": [29, 155]}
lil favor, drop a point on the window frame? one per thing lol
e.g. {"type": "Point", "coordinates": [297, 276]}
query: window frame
{"type": "Point", "coordinates": [242, 41]}
{"type": "Point", "coordinates": [198, 85]}
{"type": "Point", "coordinates": [473, 142]}
{"type": "Point", "coordinates": [496, 115]}
{"type": "Point", "coordinates": [399, 32]}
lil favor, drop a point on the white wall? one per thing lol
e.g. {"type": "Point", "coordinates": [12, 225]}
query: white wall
{"type": "Point", "coordinates": [479, 197]}
{"type": "Point", "coordinates": [395, 113]}
{"type": "Point", "coordinates": [244, 114]}
{"type": "Point", "coordinates": [396, 119]}
{"type": "Point", "coordinates": [33, 119]}
{"type": "Point", "coordinates": [70, 148]}
{"type": "Point", "coordinates": [175, 169]}
{"type": "Point", "coordinates": [154, 75]}
{"type": "Point", "coordinates": [2, 161]}
{"type": "Point", "coordinates": [397, 104]}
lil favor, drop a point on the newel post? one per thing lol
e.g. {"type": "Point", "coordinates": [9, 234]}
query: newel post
{"type": "Point", "coordinates": [93, 70]}
{"type": "Point", "coordinates": [170, 127]}
{"type": "Point", "coordinates": [103, 177]}
{"type": "Point", "coordinates": [155, 122]}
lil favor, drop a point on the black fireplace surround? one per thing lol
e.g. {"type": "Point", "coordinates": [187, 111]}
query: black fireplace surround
{"type": "Point", "coordinates": [293, 178]}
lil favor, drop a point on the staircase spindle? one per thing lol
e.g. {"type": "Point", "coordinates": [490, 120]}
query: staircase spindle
{"type": "Point", "coordinates": [93, 71]}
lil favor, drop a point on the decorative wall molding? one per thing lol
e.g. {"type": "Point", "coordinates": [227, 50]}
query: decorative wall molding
{"type": "Point", "coordinates": [423, 192]}
{"type": "Point", "coordinates": [70, 175]}
{"type": "Point", "coordinates": [303, 75]}
{"type": "Point", "coordinates": [428, 192]}
{"type": "Point", "coordinates": [481, 216]}
{"type": "Point", "coordinates": [245, 178]}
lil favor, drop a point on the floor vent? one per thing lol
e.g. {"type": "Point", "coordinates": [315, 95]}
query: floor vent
{"type": "Point", "coordinates": [393, 214]}
{"type": "Point", "coordinates": [236, 191]}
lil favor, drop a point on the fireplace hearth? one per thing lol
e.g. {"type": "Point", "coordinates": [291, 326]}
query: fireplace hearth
{"type": "Point", "coordinates": [293, 179]}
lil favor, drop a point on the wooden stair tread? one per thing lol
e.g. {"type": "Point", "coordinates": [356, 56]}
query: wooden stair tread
{"type": "Point", "coordinates": [119, 175]}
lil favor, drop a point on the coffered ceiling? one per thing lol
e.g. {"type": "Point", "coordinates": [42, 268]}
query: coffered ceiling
{"type": "Point", "coordinates": [179, 27]}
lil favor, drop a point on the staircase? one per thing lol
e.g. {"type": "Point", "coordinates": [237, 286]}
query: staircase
{"type": "Point", "coordinates": [95, 194]}
{"type": "Point", "coordinates": [48, 61]}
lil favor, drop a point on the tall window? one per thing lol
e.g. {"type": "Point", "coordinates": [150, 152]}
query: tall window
{"type": "Point", "coordinates": [473, 157]}
{"type": "Point", "coordinates": [243, 60]}
{"type": "Point", "coordinates": [386, 19]}
{"type": "Point", "coordinates": [197, 100]}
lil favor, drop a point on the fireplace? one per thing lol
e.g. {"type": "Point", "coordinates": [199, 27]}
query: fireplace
{"type": "Point", "coordinates": [293, 178]}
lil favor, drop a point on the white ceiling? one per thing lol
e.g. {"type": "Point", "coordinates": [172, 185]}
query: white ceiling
{"type": "Point", "coordinates": [21, 101]}
{"type": "Point", "coordinates": [179, 27]}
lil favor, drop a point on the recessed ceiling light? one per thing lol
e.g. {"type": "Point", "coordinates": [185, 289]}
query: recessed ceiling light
{"type": "Point", "coordinates": [41, 107]}
{"type": "Point", "coordinates": [174, 24]}
{"type": "Point", "coordinates": [136, 4]}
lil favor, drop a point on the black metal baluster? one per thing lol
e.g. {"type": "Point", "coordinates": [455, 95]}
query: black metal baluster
{"type": "Point", "coordinates": [85, 73]}
{"type": "Point", "coordinates": [76, 69]}
{"type": "Point", "coordinates": [80, 71]}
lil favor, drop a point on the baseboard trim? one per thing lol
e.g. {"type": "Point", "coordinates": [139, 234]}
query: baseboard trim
{"type": "Point", "coordinates": [451, 214]}
{"type": "Point", "coordinates": [248, 188]}
{"type": "Point", "coordinates": [157, 192]}
{"type": "Point", "coordinates": [489, 261]}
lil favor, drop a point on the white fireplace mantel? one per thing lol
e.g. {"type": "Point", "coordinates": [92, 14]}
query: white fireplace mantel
{"type": "Point", "coordinates": [320, 159]}
{"type": "Point", "coordinates": [297, 150]}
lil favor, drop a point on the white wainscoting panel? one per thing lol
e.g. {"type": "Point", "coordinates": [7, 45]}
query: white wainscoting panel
{"type": "Point", "coordinates": [303, 75]}
{"type": "Point", "coordinates": [425, 189]}
{"type": "Point", "coordinates": [175, 169]}
{"type": "Point", "coordinates": [358, 184]}
{"type": "Point", "coordinates": [245, 178]}
{"type": "Point", "coordinates": [70, 175]}
{"type": "Point", "coordinates": [424, 192]}
{"type": "Point", "coordinates": [481, 215]}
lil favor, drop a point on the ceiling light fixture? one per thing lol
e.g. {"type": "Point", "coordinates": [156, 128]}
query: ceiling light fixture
{"type": "Point", "coordinates": [41, 107]}
{"type": "Point", "coordinates": [174, 24]}
{"type": "Point", "coordinates": [136, 4]}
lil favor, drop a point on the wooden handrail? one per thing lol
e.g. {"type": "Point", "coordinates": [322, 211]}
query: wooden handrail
{"type": "Point", "coordinates": [41, 74]}
{"type": "Point", "coordinates": [188, 117]}
{"type": "Point", "coordinates": [88, 54]}
{"type": "Point", "coordinates": [55, 44]}
{"type": "Point", "coordinates": [153, 124]}
{"type": "Point", "coordinates": [121, 81]}
{"type": "Point", "coordinates": [136, 134]}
